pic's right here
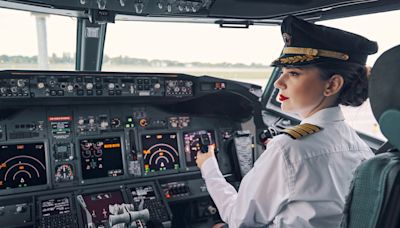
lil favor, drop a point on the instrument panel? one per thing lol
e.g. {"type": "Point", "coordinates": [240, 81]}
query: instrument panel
{"type": "Point", "coordinates": [74, 145]}
{"type": "Point", "coordinates": [98, 150]}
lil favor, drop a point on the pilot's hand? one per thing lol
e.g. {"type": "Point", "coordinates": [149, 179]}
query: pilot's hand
{"type": "Point", "coordinates": [202, 157]}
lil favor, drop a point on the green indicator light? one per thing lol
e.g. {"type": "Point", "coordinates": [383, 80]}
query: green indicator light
{"type": "Point", "coordinates": [127, 125]}
{"type": "Point", "coordinates": [130, 119]}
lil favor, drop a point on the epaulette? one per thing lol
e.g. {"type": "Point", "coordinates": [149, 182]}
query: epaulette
{"type": "Point", "coordinates": [301, 130]}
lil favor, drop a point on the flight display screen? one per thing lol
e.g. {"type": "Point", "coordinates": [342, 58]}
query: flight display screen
{"type": "Point", "coordinates": [22, 165]}
{"type": "Point", "coordinates": [160, 152]}
{"type": "Point", "coordinates": [192, 145]}
{"type": "Point", "coordinates": [98, 205]}
{"type": "Point", "coordinates": [101, 158]}
{"type": "Point", "coordinates": [57, 206]}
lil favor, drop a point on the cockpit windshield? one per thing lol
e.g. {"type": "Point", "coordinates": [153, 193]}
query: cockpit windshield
{"type": "Point", "coordinates": [195, 49]}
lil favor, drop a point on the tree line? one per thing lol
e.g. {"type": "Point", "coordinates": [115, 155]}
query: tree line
{"type": "Point", "coordinates": [66, 58]}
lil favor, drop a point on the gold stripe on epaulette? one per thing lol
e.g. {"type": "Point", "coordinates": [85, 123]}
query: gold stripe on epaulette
{"type": "Point", "coordinates": [292, 133]}
{"type": "Point", "coordinates": [299, 130]}
{"type": "Point", "coordinates": [306, 129]}
{"type": "Point", "coordinates": [312, 127]}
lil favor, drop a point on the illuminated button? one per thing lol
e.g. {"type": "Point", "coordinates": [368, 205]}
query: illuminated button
{"type": "Point", "coordinates": [143, 122]}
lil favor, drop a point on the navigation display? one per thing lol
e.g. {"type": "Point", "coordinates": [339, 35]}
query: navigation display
{"type": "Point", "coordinates": [192, 145]}
{"type": "Point", "coordinates": [22, 165]}
{"type": "Point", "coordinates": [57, 206]}
{"type": "Point", "coordinates": [101, 158]}
{"type": "Point", "coordinates": [160, 152]}
{"type": "Point", "coordinates": [97, 205]}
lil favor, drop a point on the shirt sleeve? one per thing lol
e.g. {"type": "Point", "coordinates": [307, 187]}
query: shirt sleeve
{"type": "Point", "coordinates": [263, 192]}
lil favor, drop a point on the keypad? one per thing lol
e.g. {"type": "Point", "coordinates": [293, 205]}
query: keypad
{"type": "Point", "coordinates": [59, 221]}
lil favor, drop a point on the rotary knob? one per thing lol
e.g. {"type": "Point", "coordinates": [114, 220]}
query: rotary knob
{"type": "Point", "coordinates": [19, 209]}
{"type": "Point", "coordinates": [40, 85]}
{"type": "Point", "coordinates": [89, 85]}
{"type": "Point", "coordinates": [21, 83]}
{"type": "Point", "coordinates": [70, 88]}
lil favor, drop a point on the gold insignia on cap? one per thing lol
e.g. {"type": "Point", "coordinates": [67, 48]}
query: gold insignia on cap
{"type": "Point", "coordinates": [287, 39]}
{"type": "Point", "coordinates": [315, 52]}
{"type": "Point", "coordinates": [302, 130]}
{"type": "Point", "coordinates": [296, 59]}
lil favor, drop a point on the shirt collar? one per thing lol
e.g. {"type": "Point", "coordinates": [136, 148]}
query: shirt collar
{"type": "Point", "coordinates": [327, 115]}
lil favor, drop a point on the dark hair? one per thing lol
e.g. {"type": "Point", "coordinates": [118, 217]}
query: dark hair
{"type": "Point", "coordinates": [355, 87]}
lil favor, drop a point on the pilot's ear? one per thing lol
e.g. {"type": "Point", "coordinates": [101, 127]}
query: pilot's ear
{"type": "Point", "coordinates": [333, 85]}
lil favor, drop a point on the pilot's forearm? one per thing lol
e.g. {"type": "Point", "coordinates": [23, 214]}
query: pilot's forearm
{"type": "Point", "coordinates": [223, 194]}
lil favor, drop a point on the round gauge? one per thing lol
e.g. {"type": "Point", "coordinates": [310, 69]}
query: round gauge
{"type": "Point", "coordinates": [98, 145]}
{"type": "Point", "coordinates": [98, 152]}
{"type": "Point", "coordinates": [64, 173]}
{"type": "Point", "coordinates": [86, 152]}
{"type": "Point", "coordinates": [115, 123]}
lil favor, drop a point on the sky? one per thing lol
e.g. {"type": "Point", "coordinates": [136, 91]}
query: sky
{"type": "Point", "coordinates": [181, 42]}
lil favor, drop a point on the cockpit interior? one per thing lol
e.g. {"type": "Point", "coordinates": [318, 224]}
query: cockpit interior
{"type": "Point", "coordinates": [94, 148]}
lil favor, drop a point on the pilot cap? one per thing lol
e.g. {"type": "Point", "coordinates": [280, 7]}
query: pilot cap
{"type": "Point", "coordinates": [308, 43]}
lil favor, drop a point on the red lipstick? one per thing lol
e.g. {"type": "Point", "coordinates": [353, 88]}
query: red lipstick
{"type": "Point", "coordinates": [282, 98]}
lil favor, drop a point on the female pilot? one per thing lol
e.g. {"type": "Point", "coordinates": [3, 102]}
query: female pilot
{"type": "Point", "coordinates": [302, 179]}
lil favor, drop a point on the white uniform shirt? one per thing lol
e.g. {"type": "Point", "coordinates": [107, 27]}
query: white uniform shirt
{"type": "Point", "coordinates": [294, 183]}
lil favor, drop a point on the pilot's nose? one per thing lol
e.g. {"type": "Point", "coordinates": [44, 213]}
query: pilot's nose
{"type": "Point", "coordinates": [280, 82]}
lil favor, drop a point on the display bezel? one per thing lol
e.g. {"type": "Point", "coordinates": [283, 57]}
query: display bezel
{"type": "Point", "coordinates": [216, 140]}
{"type": "Point", "coordinates": [100, 179]}
{"type": "Point", "coordinates": [48, 169]}
{"type": "Point", "coordinates": [179, 147]}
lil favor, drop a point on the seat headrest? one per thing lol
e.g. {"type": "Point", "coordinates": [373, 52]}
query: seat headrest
{"type": "Point", "coordinates": [384, 93]}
